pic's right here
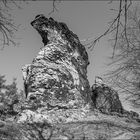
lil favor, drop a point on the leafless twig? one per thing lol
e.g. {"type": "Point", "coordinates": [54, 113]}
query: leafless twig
{"type": "Point", "coordinates": [54, 7]}
{"type": "Point", "coordinates": [114, 25]}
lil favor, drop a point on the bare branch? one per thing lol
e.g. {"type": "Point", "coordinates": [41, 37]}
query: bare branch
{"type": "Point", "coordinates": [118, 23]}
{"type": "Point", "coordinates": [126, 74]}
{"type": "Point", "coordinates": [125, 26]}
{"type": "Point", "coordinates": [54, 7]}
{"type": "Point", "coordinates": [113, 26]}
{"type": "Point", "coordinates": [7, 28]}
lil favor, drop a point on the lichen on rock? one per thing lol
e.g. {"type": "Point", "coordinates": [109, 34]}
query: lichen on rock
{"type": "Point", "coordinates": [57, 77]}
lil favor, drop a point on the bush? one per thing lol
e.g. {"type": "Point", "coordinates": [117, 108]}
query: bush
{"type": "Point", "coordinates": [9, 97]}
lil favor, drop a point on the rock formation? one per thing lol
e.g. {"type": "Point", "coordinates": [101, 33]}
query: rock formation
{"type": "Point", "coordinates": [58, 102]}
{"type": "Point", "coordinates": [106, 100]}
{"type": "Point", "coordinates": [58, 74]}
{"type": "Point", "coordinates": [57, 77]}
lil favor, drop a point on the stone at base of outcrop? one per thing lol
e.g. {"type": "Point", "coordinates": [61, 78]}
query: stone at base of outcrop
{"type": "Point", "coordinates": [107, 100]}
{"type": "Point", "coordinates": [54, 116]}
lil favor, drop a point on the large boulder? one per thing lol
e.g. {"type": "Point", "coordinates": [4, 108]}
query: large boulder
{"type": "Point", "coordinates": [106, 100]}
{"type": "Point", "coordinates": [58, 74]}
{"type": "Point", "coordinates": [57, 77]}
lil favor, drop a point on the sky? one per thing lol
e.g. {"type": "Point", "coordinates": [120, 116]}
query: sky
{"type": "Point", "coordinates": [84, 18]}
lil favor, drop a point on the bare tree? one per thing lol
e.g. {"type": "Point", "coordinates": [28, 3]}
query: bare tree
{"type": "Point", "coordinates": [7, 26]}
{"type": "Point", "coordinates": [113, 26]}
{"type": "Point", "coordinates": [126, 73]}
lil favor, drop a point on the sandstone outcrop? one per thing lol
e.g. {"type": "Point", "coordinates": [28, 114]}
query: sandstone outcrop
{"type": "Point", "coordinates": [106, 100]}
{"type": "Point", "coordinates": [59, 105]}
{"type": "Point", "coordinates": [58, 74]}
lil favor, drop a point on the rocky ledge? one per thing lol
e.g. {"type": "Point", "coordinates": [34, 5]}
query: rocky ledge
{"type": "Point", "coordinates": [59, 102]}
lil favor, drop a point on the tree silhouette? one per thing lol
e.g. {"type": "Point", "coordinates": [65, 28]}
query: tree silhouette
{"type": "Point", "coordinates": [7, 26]}
{"type": "Point", "coordinates": [8, 98]}
{"type": "Point", "coordinates": [126, 73]}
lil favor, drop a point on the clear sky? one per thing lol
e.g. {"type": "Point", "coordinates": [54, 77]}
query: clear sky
{"type": "Point", "coordinates": [85, 18]}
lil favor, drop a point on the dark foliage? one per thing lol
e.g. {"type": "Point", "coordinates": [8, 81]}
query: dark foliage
{"type": "Point", "coordinates": [9, 99]}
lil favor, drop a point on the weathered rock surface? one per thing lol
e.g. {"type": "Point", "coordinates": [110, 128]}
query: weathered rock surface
{"type": "Point", "coordinates": [59, 105]}
{"type": "Point", "coordinates": [106, 100]}
{"type": "Point", "coordinates": [91, 127]}
{"type": "Point", "coordinates": [58, 74]}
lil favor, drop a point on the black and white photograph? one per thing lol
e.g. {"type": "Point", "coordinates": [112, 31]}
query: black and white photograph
{"type": "Point", "coordinates": [69, 70]}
